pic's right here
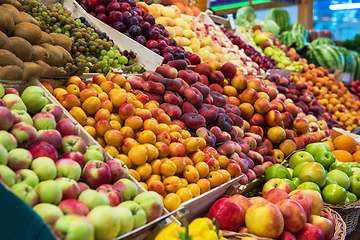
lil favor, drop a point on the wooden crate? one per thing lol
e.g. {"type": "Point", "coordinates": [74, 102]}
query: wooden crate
{"type": "Point", "coordinates": [144, 56]}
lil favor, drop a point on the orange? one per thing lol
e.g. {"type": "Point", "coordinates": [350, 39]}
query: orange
{"type": "Point", "coordinates": [343, 156]}
{"type": "Point", "coordinates": [356, 156]}
{"type": "Point", "coordinates": [346, 143]}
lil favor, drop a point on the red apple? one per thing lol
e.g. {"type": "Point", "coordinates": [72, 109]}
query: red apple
{"type": "Point", "coordinates": [112, 193]}
{"type": "Point", "coordinates": [229, 215]}
{"type": "Point", "coordinates": [275, 195]}
{"type": "Point", "coordinates": [293, 213]}
{"type": "Point", "coordinates": [96, 173]}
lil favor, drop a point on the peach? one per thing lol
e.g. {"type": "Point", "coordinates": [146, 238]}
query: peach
{"type": "Point", "coordinates": [257, 120]}
{"type": "Point", "coordinates": [171, 84]}
{"type": "Point", "coordinates": [204, 89]}
{"type": "Point", "coordinates": [135, 82]}
{"type": "Point", "coordinates": [69, 101]}
{"type": "Point", "coordinates": [173, 98]}
{"type": "Point", "coordinates": [216, 77]}
{"type": "Point", "coordinates": [189, 76]}
{"type": "Point", "coordinates": [287, 147]}
{"type": "Point", "coordinates": [229, 70]}
{"type": "Point", "coordinates": [178, 64]}
{"type": "Point", "coordinates": [230, 108]}
{"type": "Point", "coordinates": [300, 125]}
{"type": "Point", "coordinates": [217, 88]}
{"type": "Point", "coordinates": [152, 76]}
{"type": "Point", "coordinates": [220, 135]}
{"type": "Point", "coordinates": [287, 119]}
{"type": "Point", "coordinates": [193, 120]}
{"type": "Point", "coordinates": [128, 143]}
{"type": "Point", "coordinates": [156, 186]}
{"type": "Point", "coordinates": [154, 87]}
{"type": "Point", "coordinates": [203, 69]}
{"type": "Point", "coordinates": [256, 157]}
{"type": "Point", "coordinates": [154, 97]}
{"type": "Point", "coordinates": [88, 92]}
{"type": "Point", "coordinates": [172, 184]}
{"type": "Point", "coordinates": [176, 149]}
{"type": "Point", "coordinates": [239, 82]}
{"type": "Point", "coordinates": [191, 174]}
{"type": "Point", "coordinates": [172, 110]}
{"type": "Point", "coordinates": [127, 131]}
{"type": "Point", "coordinates": [224, 122]}
{"type": "Point", "coordinates": [262, 105]}
{"type": "Point", "coordinates": [188, 108]}
{"type": "Point", "coordinates": [255, 84]}
{"type": "Point", "coordinates": [194, 96]}
{"type": "Point", "coordinates": [209, 112]}
{"type": "Point", "coordinates": [257, 130]}
{"type": "Point", "coordinates": [102, 126]}
{"type": "Point", "coordinates": [219, 99]}
{"type": "Point", "coordinates": [247, 110]}
{"type": "Point", "coordinates": [167, 71]}
{"type": "Point", "coordinates": [249, 95]}
{"type": "Point", "coordinates": [276, 134]}
{"type": "Point", "coordinates": [163, 148]}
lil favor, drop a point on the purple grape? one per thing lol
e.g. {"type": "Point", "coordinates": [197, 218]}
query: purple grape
{"type": "Point", "coordinates": [144, 26]}
{"type": "Point", "coordinates": [127, 34]}
{"type": "Point", "coordinates": [179, 56]}
{"type": "Point", "coordinates": [166, 49]}
{"type": "Point", "coordinates": [104, 2]}
{"type": "Point", "coordinates": [132, 3]}
{"type": "Point", "coordinates": [162, 43]}
{"type": "Point", "coordinates": [126, 15]}
{"type": "Point", "coordinates": [173, 42]}
{"type": "Point", "coordinates": [133, 13]}
{"type": "Point", "coordinates": [113, 6]}
{"type": "Point", "coordinates": [115, 16]}
{"type": "Point", "coordinates": [100, 9]}
{"type": "Point", "coordinates": [140, 39]}
{"type": "Point", "coordinates": [125, 6]}
{"type": "Point", "coordinates": [102, 17]}
{"type": "Point", "coordinates": [149, 18]}
{"type": "Point", "coordinates": [134, 31]}
{"type": "Point", "coordinates": [131, 22]}
{"type": "Point", "coordinates": [167, 57]}
{"type": "Point", "coordinates": [155, 50]}
{"type": "Point", "coordinates": [187, 54]}
{"type": "Point", "coordinates": [119, 26]}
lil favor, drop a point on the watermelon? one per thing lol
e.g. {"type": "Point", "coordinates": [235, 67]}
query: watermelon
{"type": "Point", "coordinates": [297, 27]}
{"type": "Point", "coordinates": [281, 17]}
{"type": "Point", "coordinates": [349, 59]}
{"type": "Point", "coordinates": [289, 37]}
{"type": "Point", "coordinates": [356, 68]}
{"type": "Point", "coordinates": [327, 56]}
{"type": "Point", "coordinates": [321, 41]}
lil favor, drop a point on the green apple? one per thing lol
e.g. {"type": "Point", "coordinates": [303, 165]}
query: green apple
{"type": "Point", "coordinates": [75, 227]}
{"type": "Point", "coordinates": [22, 116]}
{"type": "Point", "coordinates": [297, 169]}
{"type": "Point", "coordinates": [309, 186]}
{"type": "Point", "coordinates": [126, 219]}
{"type": "Point", "coordinates": [2, 91]}
{"type": "Point", "coordinates": [19, 158]}
{"type": "Point", "coordinates": [127, 188]}
{"type": "Point", "coordinates": [334, 194]}
{"type": "Point", "coordinates": [7, 175]}
{"type": "Point", "coordinates": [296, 181]}
{"type": "Point", "coordinates": [27, 176]}
{"type": "Point", "coordinates": [355, 171]}
{"type": "Point", "coordinates": [355, 185]}
{"type": "Point", "coordinates": [3, 154]}
{"type": "Point", "coordinates": [49, 191]}
{"type": "Point", "coordinates": [106, 222]}
{"type": "Point", "coordinates": [313, 172]}
{"type": "Point", "coordinates": [300, 157]}
{"type": "Point", "coordinates": [94, 152]}
{"type": "Point", "coordinates": [325, 158]}
{"type": "Point", "coordinates": [314, 148]}
{"type": "Point", "coordinates": [138, 213]}
{"type": "Point", "coordinates": [25, 193]}
{"type": "Point", "coordinates": [152, 204]}
{"type": "Point", "coordinates": [354, 164]}
{"type": "Point", "coordinates": [340, 177]}
{"type": "Point", "coordinates": [291, 172]}
{"type": "Point", "coordinates": [276, 171]}
{"type": "Point", "coordinates": [344, 167]}
{"type": "Point", "coordinates": [93, 198]}
{"type": "Point", "coordinates": [34, 98]}
{"type": "Point", "coordinates": [329, 180]}
{"type": "Point", "coordinates": [7, 140]}
{"type": "Point", "coordinates": [351, 196]}
{"type": "Point", "coordinates": [44, 167]}
{"type": "Point", "coordinates": [50, 213]}
{"type": "Point", "coordinates": [291, 184]}
{"type": "Point", "coordinates": [327, 146]}
{"type": "Point", "coordinates": [14, 102]}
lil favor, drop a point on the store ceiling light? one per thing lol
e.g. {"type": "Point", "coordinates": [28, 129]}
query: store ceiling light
{"type": "Point", "coordinates": [344, 6]}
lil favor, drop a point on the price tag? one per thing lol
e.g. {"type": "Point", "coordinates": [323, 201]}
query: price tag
{"type": "Point", "coordinates": [230, 18]}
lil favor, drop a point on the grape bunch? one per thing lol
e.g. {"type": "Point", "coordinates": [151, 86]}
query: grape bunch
{"type": "Point", "coordinates": [91, 48]}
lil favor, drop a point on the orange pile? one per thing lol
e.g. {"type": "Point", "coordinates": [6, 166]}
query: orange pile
{"type": "Point", "coordinates": [183, 6]}
{"type": "Point", "coordinates": [345, 149]}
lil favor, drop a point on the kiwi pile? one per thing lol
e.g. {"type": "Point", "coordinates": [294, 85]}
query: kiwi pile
{"type": "Point", "coordinates": [25, 49]}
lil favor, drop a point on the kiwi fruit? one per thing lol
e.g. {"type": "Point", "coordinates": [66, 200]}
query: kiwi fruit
{"type": "Point", "coordinates": [42, 63]}
{"type": "Point", "coordinates": [51, 72]}
{"type": "Point", "coordinates": [6, 22]}
{"type": "Point", "coordinates": [20, 47]}
{"type": "Point", "coordinates": [14, 3]}
{"type": "Point", "coordinates": [39, 53]}
{"type": "Point", "coordinates": [8, 58]}
{"type": "Point", "coordinates": [11, 72]}
{"type": "Point", "coordinates": [66, 55]}
{"type": "Point", "coordinates": [3, 40]}
{"type": "Point", "coordinates": [30, 18]}
{"type": "Point", "coordinates": [18, 18]}
{"type": "Point", "coordinates": [62, 40]}
{"type": "Point", "coordinates": [31, 69]}
{"type": "Point", "coordinates": [29, 32]}
{"type": "Point", "coordinates": [55, 56]}
{"type": "Point", "coordinates": [45, 38]}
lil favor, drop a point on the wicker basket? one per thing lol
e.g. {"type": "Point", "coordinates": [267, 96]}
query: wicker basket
{"type": "Point", "coordinates": [17, 84]}
{"type": "Point", "coordinates": [339, 234]}
{"type": "Point", "coordinates": [349, 212]}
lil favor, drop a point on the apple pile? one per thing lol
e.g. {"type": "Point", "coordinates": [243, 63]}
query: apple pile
{"type": "Point", "coordinates": [317, 169]}
{"type": "Point", "coordinates": [279, 213]}
{"type": "Point", "coordinates": [46, 163]}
